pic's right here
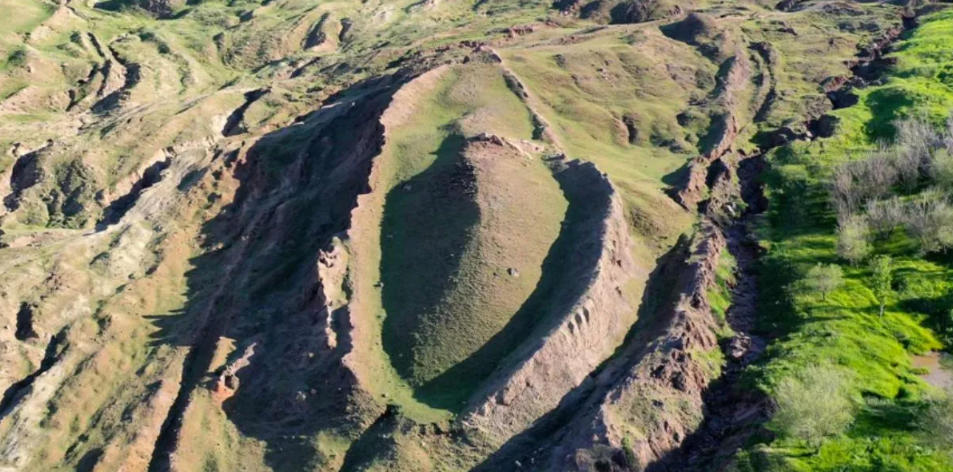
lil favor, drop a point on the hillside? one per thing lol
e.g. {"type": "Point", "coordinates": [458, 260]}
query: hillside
{"type": "Point", "coordinates": [637, 235]}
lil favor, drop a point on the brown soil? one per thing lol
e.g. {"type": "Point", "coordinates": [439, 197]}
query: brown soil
{"type": "Point", "coordinates": [939, 374]}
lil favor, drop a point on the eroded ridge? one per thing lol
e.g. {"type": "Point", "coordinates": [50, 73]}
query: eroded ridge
{"type": "Point", "coordinates": [653, 392]}
{"type": "Point", "coordinates": [581, 325]}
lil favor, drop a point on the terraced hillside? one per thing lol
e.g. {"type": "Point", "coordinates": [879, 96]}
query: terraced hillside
{"type": "Point", "coordinates": [496, 235]}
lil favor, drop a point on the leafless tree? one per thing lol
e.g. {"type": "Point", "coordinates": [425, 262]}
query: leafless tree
{"type": "Point", "coordinates": [910, 165]}
{"type": "Point", "coordinates": [844, 192]}
{"type": "Point", "coordinates": [948, 135]}
{"type": "Point", "coordinates": [885, 215]}
{"type": "Point", "coordinates": [918, 136]}
{"type": "Point", "coordinates": [941, 168]}
{"type": "Point", "coordinates": [877, 174]}
{"type": "Point", "coordinates": [929, 219]}
{"type": "Point", "coordinates": [855, 183]}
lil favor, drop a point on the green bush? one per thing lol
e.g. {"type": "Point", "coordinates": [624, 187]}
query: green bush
{"type": "Point", "coordinates": [813, 405]}
{"type": "Point", "coordinates": [853, 236]}
{"type": "Point", "coordinates": [17, 58]}
{"type": "Point", "coordinates": [822, 279]}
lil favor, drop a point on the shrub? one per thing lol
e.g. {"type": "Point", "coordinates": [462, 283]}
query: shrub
{"type": "Point", "coordinates": [910, 164]}
{"type": "Point", "coordinates": [823, 279]}
{"type": "Point", "coordinates": [814, 404]}
{"type": "Point", "coordinates": [937, 423]}
{"type": "Point", "coordinates": [948, 135]}
{"type": "Point", "coordinates": [916, 141]}
{"type": "Point", "coordinates": [929, 219]}
{"type": "Point", "coordinates": [853, 236]}
{"type": "Point", "coordinates": [844, 192]}
{"type": "Point", "coordinates": [17, 58]}
{"type": "Point", "coordinates": [919, 134]}
{"type": "Point", "coordinates": [876, 174]}
{"type": "Point", "coordinates": [946, 328]}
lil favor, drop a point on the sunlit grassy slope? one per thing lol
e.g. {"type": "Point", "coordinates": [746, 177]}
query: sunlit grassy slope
{"type": "Point", "coordinates": [589, 90]}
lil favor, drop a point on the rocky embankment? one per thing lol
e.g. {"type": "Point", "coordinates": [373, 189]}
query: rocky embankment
{"type": "Point", "coordinates": [580, 327]}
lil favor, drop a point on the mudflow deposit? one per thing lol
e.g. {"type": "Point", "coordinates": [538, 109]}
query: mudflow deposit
{"type": "Point", "coordinates": [441, 235]}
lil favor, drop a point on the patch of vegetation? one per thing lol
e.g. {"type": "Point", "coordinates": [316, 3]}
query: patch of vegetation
{"type": "Point", "coordinates": [17, 58]}
{"type": "Point", "coordinates": [842, 326]}
{"type": "Point", "coordinates": [813, 405]}
{"type": "Point", "coordinates": [720, 295]}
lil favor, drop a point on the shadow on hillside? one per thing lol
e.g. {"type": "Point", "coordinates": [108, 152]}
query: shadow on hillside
{"type": "Point", "coordinates": [111, 5]}
{"type": "Point", "coordinates": [566, 272]}
{"type": "Point", "coordinates": [886, 106]}
{"type": "Point", "coordinates": [257, 284]}
{"type": "Point", "coordinates": [427, 224]}
{"type": "Point", "coordinates": [677, 177]}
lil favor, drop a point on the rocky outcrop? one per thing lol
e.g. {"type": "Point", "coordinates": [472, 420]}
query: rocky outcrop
{"type": "Point", "coordinates": [723, 131]}
{"type": "Point", "coordinates": [789, 5]}
{"type": "Point", "coordinates": [235, 124]}
{"type": "Point", "coordinates": [25, 173]}
{"type": "Point", "coordinates": [541, 128]}
{"type": "Point", "coordinates": [120, 76]}
{"type": "Point", "coordinates": [124, 195]}
{"type": "Point", "coordinates": [640, 11]}
{"type": "Point", "coordinates": [112, 71]}
{"type": "Point", "coordinates": [624, 11]}
{"type": "Point", "coordinates": [695, 29]}
{"type": "Point", "coordinates": [160, 8]}
{"type": "Point", "coordinates": [651, 397]}
{"type": "Point", "coordinates": [292, 217]}
{"type": "Point", "coordinates": [324, 35]}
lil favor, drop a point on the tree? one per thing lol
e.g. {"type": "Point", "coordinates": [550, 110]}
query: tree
{"type": "Point", "coordinates": [929, 219]}
{"type": "Point", "coordinates": [882, 267]}
{"type": "Point", "coordinates": [814, 404]}
{"type": "Point", "coordinates": [823, 279]}
{"type": "Point", "coordinates": [885, 215]}
{"type": "Point", "coordinates": [916, 141]}
{"type": "Point", "coordinates": [854, 183]}
{"type": "Point", "coordinates": [844, 192]}
{"type": "Point", "coordinates": [852, 239]}
{"type": "Point", "coordinates": [941, 169]}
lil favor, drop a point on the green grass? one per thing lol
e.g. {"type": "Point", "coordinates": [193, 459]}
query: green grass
{"type": "Point", "coordinates": [720, 295]}
{"type": "Point", "coordinates": [29, 14]}
{"type": "Point", "coordinates": [443, 254]}
{"type": "Point", "coordinates": [845, 329]}
{"type": "Point", "coordinates": [818, 51]}
{"type": "Point", "coordinates": [586, 89]}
